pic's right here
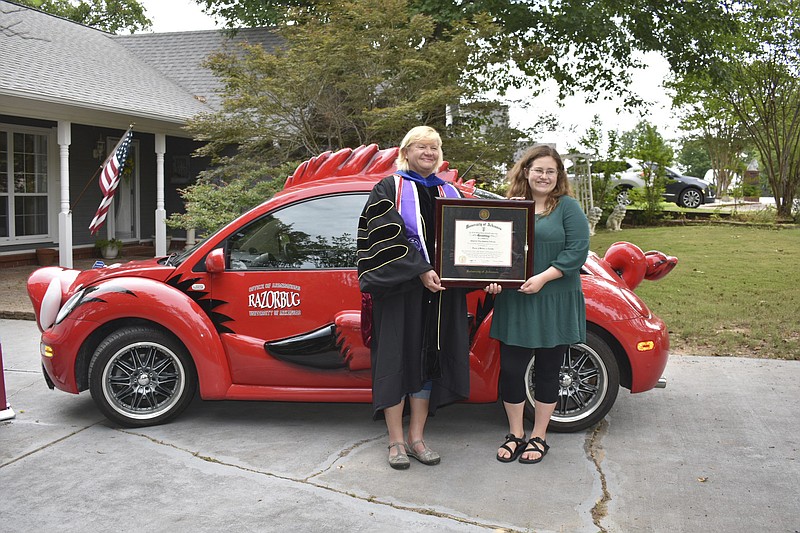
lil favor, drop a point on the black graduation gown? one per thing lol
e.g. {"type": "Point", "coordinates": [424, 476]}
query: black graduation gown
{"type": "Point", "coordinates": [408, 319]}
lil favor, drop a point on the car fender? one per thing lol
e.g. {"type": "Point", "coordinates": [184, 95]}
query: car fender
{"type": "Point", "coordinates": [126, 298]}
{"type": "Point", "coordinates": [49, 283]}
{"type": "Point", "coordinates": [484, 355]}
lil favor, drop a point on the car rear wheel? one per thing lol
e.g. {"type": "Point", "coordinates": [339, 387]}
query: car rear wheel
{"type": "Point", "coordinates": [623, 195]}
{"type": "Point", "coordinates": [690, 197]}
{"type": "Point", "coordinates": [589, 381]}
{"type": "Point", "coordinates": [141, 376]}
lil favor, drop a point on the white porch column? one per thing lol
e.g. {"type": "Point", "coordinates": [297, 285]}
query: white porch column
{"type": "Point", "coordinates": [161, 213]}
{"type": "Point", "coordinates": [64, 216]}
{"type": "Point", "coordinates": [190, 239]}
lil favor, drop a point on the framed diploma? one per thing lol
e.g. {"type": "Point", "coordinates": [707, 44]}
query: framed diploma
{"type": "Point", "coordinates": [480, 241]}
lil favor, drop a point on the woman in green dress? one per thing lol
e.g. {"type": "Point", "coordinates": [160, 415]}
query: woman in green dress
{"type": "Point", "coordinates": [547, 313]}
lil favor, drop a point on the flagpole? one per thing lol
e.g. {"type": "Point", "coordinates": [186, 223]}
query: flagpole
{"type": "Point", "coordinates": [90, 180]}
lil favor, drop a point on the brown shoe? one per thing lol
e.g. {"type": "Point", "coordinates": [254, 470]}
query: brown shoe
{"type": "Point", "coordinates": [400, 460]}
{"type": "Point", "coordinates": [426, 456]}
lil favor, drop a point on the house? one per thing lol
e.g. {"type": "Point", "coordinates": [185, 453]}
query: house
{"type": "Point", "coordinates": [67, 94]}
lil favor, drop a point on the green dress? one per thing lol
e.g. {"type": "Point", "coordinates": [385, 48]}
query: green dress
{"type": "Point", "coordinates": [555, 315]}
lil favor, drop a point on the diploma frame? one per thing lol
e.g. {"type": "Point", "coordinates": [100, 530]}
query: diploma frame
{"type": "Point", "coordinates": [468, 256]}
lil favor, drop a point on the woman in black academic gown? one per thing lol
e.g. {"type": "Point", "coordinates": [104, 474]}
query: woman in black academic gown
{"type": "Point", "coordinates": [420, 344]}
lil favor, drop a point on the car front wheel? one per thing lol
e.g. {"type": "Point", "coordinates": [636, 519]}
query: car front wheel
{"type": "Point", "coordinates": [691, 198]}
{"type": "Point", "coordinates": [623, 195]}
{"type": "Point", "coordinates": [141, 376]}
{"type": "Point", "coordinates": [589, 380]}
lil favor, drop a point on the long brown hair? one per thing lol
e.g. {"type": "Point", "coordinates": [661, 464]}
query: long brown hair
{"type": "Point", "coordinates": [518, 185]}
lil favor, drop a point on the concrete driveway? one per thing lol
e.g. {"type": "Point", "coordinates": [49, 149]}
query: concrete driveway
{"type": "Point", "coordinates": [716, 450]}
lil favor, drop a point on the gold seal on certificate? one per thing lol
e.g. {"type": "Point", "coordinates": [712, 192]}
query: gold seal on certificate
{"type": "Point", "coordinates": [481, 241]}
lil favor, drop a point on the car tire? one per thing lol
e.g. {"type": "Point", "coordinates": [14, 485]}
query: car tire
{"type": "Point", "coordinates": [589, 380]}
{"type": "Point", "coordinates": [690, 197]}
{"type": "Point", "coordinates": [622, 195]}
{"type": "Point", "coordinates": [141, 376]}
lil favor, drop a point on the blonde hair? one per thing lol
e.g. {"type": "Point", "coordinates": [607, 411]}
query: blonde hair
{"type": "Point", "coordinates": [518, 185]}
{"type": "Point", "coordinates": [418, 134]}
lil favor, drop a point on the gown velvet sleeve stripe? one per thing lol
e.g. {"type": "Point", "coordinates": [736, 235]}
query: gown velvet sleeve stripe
{"type": "Point", "coordinates": [386, 259]}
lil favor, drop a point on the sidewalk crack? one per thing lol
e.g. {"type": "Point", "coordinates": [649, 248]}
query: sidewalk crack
{"type": "Point", "coordinates": [310, 482]}
{"type": "Point", "coordinates": [49, 444]}
{"type": "Point", "coordinates": [596, 454]}
{"type": "Point", "coordinates": [344, 453]}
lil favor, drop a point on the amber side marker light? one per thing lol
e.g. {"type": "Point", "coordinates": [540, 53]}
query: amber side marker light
{"type": "Point", "coordinates": [46, 350]}
{"type": "Point", "coordinates": [645, 346]}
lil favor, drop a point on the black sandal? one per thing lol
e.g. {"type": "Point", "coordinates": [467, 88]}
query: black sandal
{"type": "Point", "coordinates": [520, 442]}
{"type": "Point", "coordinates": [532, 446]}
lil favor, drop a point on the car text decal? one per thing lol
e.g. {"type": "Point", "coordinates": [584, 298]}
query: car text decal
{"type": "Point", "coordinates": [274, 299]}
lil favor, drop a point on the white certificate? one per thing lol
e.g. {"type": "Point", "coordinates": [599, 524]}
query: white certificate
{"type": "Point", "coordinates": [483, 243]}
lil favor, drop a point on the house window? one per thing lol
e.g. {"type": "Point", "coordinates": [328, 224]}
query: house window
{"type": "Point", "coordinates": [23, 184]}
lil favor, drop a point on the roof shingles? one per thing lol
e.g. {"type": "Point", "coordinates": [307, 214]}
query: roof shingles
{"type": "Point", "coordinates": [180, 56]}
{"type": "Point", "coordinates": [154, 75]}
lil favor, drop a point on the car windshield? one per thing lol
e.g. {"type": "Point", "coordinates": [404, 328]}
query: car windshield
{"type": "Point", "coordinates": [480, 193]}
{"type": "Point", "coordinates": [176, 258]}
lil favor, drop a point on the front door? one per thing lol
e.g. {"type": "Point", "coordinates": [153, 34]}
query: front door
{"type": "Point", "coordinates": [290, 274]}
{"type": "Point", "coordinates": [125, 205]}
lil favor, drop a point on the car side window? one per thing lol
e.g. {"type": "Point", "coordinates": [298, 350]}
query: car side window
{"type": "Point", "coordinates": [315, 234]}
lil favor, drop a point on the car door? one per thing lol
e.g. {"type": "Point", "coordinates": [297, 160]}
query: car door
{"type": "Point", "coordinates": [672, 185]}
{"type": "Point", "coordinates": [289, 275]}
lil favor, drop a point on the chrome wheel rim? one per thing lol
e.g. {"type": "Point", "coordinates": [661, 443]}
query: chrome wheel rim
{"type": "Point", "coordinates": [143, 380]}
{"type": "Point", "coordinates": [583, 381]}
{"type": "Point", "coordinates": [623, 197]}
{"type": "Point", "coordinates": [691, 198]}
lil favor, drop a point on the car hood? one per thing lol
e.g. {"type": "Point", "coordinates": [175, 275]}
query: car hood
{"type": "Point", "coordinates": [145, 268]}
{"type": "Point", "coordinates": [691, 180]}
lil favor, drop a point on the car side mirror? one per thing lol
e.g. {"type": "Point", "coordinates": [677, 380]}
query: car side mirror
{"type": "Point", "coordinates": [215, 261]}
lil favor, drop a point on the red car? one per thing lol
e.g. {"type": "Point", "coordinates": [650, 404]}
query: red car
{"type": "Point", "coordinates": [268, 308]}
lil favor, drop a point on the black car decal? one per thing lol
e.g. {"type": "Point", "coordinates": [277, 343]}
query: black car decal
{"type": "Point", "coordinates": [316, 349]}
{"type": "Point", "coordinates": [206, 304]}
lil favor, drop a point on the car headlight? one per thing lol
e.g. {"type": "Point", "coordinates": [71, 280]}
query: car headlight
{"type": "Point", "coordinates": [67, 308]}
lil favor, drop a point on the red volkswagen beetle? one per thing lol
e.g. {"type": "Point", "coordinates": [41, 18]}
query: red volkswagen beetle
{"type": "Point", "coordinates": [268, 308]}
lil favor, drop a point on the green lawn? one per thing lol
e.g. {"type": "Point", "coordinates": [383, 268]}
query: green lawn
{"type": "Point", "coordinates": [735, 290]}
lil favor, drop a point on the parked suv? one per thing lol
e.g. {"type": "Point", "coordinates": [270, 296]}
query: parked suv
{"type": "Point", "coordinates": [685, 191]}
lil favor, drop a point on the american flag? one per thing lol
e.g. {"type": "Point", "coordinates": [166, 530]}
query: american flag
{"type": "Point", "coordinates": [109, 179]}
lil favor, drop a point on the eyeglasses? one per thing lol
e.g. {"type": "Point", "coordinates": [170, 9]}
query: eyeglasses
{"type": "Point", "coordinates": [550, 172]}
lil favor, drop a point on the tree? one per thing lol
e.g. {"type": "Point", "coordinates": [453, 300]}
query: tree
{"type": "Point", "coordinates": [582, 47]}
{"type": "Point", "coordinates": [722, 135]}
{"type": "Point", "coordinates": [648, 146]}
{"type": "Point", "coordinates": [364, 74]}
{"type": "Point", "coordinates": [693, 156]}
{"type": "Point", "coordinates": [107, 15]}
{"type": "Point", "coordinates": [755, 77]}
{"type": "Point", "coordinates": [603, 147]}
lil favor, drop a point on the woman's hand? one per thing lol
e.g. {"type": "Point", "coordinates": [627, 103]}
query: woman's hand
{"type": "Point", "coordinates": [533, 284]}
{"type": "Point", "coordinates": [431, 281]}
{"type": "Point", "coordinates": [493, 288]}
